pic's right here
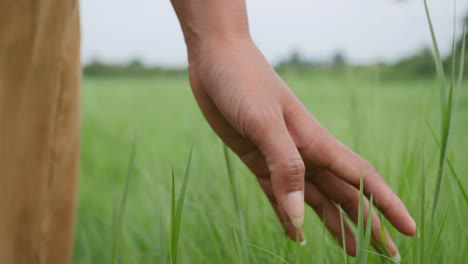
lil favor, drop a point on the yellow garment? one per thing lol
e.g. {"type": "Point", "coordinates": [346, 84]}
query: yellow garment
{"type": "Point", "coordinates": [39, 129]}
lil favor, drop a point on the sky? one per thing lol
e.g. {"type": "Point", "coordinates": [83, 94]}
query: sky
{"type": "Point", "coordinates": [365, 31]}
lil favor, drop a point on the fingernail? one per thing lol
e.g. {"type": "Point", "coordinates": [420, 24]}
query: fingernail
{"type": "Point", "coordinates": [303, 242]}
{"type": "Point", "coordinates": [397, 257]}
{"type": "Point", "coordinates": [413, 223]}
{"type": "Point", "coordinates": [295, 207]}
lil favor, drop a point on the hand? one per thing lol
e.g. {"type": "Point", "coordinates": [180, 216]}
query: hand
{"type": "Point", "coordinates": [293, 157]}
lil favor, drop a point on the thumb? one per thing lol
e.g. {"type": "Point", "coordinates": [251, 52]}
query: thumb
{"type": "Point", "coordinates": [286, 169]}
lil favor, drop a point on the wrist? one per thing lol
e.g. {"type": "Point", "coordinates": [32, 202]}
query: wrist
{"type": "Point", "coordinates": [202, 43]}
{"type": "Point", "coordinates": [209, 24]}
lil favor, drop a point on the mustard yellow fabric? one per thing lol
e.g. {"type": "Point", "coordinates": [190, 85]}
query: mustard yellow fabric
{"type": "Point", "coordinates": [39, 129]}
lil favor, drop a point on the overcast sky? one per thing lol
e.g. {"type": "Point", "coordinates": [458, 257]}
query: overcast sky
{"type": "Point", "coordinates": [365, 31]}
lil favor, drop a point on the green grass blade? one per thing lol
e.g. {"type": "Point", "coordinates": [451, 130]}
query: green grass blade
{"type": "Point", "coordinates": [162, 241]}
{"type": "Point", "coordinates": [381, 255]}
{"type": "Point", "coordinates": [454, 41]}
{"type": "Point", "coordinates": [461, 67]}
{"type": "Point", "coordinates": [183, 191]}
{"type": "Point", "coordinates": [271, 253]}
{"type": "Point", "coordinates": [360, 224]}
{"type": "Point", "coordinates": [119, 213]}
{"type": "Point", "coordinates": [437, 239]}
{"type": "Point", "coordinates": [179, 209]}
{"type": "Point", "coordinates": [443, 152]}
{"type": "Point", "coordinates": [446, 110]}
{"type": "Point", "coordinates": [457, 180]}
{"type": "Point", "coordinates": [422, 199]}
{"type": "Point", "coordinates": [367, 234]}
{"type": "Point", "coordinates": [176, 210]}
{"type": "Point", "coordinates": [381, 247]}
{"type": "Point", "coordinates": [451, 168]}
{"type": "Point", "coordinates": [173, 217]}
{"type": "Point", "coordinates": [383, 234]}
{"type": "Point", "coordinates": [234, 182]}
{"type": "Point", "coordinates": [343, 235]}
{"type": "Point", "coordinates": [437, 59]}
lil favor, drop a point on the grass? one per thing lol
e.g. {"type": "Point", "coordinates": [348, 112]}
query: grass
{"type": "Point", "coordinates": [168, 121]}
{"type": "Point", "coordinates": [119, 212]}
{"type": "Point", "coordinates": [226, 218]}
{"type": "Point", "coordinates": [176, 212]}
{"type": "Point", "coordinates": [446, 106]}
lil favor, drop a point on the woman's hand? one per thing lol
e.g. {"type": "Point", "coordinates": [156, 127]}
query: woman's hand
{"type": "Point", "coordinates": [294, 158]}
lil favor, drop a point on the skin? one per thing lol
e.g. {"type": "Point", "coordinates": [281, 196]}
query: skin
{"type": "Point", "coordinates": [293, 157]}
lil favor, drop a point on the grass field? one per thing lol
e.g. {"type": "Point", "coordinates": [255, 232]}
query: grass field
{"type": "Point", "coordinates": [386, 122]}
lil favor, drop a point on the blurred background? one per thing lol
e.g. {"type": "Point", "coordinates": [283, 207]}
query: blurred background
{"type": "Point", "coordinates": [359, 32]}
{"type": "Point", "coordinates": [364, 68]}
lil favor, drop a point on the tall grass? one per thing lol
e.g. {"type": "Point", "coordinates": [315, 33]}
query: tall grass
{"type": "Point", "coordinates": [177, 207]}
{"type": "Point", "coordinates": [240, 233]}
{"type": "Point", "coordinates": [446, 104]}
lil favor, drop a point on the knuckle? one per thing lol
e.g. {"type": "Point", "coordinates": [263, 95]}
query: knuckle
{"type": "Point", "coordinates": [291, 167]}
{"type": "Point", "coordinates": [257, 122]}
{"type": "Point", "coordinates": [247, 117]}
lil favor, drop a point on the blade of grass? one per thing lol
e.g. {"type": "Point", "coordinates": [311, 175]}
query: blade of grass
{"type": "Point", "coordinates": [437, 59]}
{"type": "Point", "coordinates": [177, 211]}
{"type": "Point", "coordinates": [360, 227]}
{"type": "Point", "coordinates": [457, 180]}
{"type": "Point", "coordinates": [161, 237]}
{"type": "Point", "coordinates": [422, 199]}
{"type": "Point", "coordinates": [173, 217]}
{"type": "Point", "coordinates": [451, 168]}
{"type": "Point", "coordinates": [437, 239]}
{"type": "Point", "coordinates": [459, 85]}
{"type": "Point", "coordinates": [443, 153]}
{"type": "Point", "coordinates": [383, 234]}
{"type": "Point", "coordinates": [460, 186]}
{"type": "Point", "coordinates": [462, 59]}
{"type": "Point", "coordinates": [381, 247]}
{"type": "Point", "coordinates": [381, 255]}
{"type": "Point", "coordinates": [343, 235]}
{"type": "Point", "coordinates": [269, 253]}
{"type": "Point", "coordinates": [367, 234]}
{"type": "Point", "coordinates": [454, 41]}
{"type": "Point", "coordinates": [446, 110]}
{"type": "Point", "coordinates": [234, 182]}
{"type": "Point", "coordinates": [119, 213]}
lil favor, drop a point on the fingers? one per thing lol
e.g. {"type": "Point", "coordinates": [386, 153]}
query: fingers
{"type": "Point", "coordinates": [289, 227]}
{"type": "Point", "coordinates": [285, 221]}
{"type": "Point", "coordinates": [285, 166]}
{"type": "Point", "coordinates": [348, 198]}
{"type": "Point", "coordinates": [321, 149]}
{"type": "Point", "coordinates": [330, 216]}
{"type": "Point", "coordinates": [269, 146]}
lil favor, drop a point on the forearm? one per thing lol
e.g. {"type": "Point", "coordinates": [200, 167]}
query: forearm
{"type": "Point", "coordinates": [211, 22]}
